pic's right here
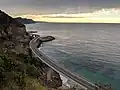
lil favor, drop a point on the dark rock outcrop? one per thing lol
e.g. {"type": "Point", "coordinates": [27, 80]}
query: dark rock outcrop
{"type": "Point", "coordinates": [12, 31]}
{"type": "Point", "coordinates": [9, 26]}
{"type": "Point", "coordinates": [47, 38]}
{"type": "Point", "coordinates": [44, 39]}
{"type": "Point", "coordinates": [32, 32]}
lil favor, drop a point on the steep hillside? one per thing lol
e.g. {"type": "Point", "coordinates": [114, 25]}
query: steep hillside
{"type": "Point", "coordinates": [18, 69]}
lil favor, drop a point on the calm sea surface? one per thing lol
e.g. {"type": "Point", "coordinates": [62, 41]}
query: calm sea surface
{"type": "Point", "coordinates": [90, 50]}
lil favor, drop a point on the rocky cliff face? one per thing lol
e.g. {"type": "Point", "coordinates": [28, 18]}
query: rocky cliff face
{"type": "Point", "coordinates": [13, 35]}
{"type": "Point", "coordinates": [14, 41]}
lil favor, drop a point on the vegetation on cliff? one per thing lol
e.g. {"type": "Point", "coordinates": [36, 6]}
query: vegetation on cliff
{"type": "Point", "coordinates": [17, 73]}
{"type": "Point", "coordinates": [18, 69]}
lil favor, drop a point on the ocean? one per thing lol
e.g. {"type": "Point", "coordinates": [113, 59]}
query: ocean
{"type": "Point", "coordinates": [86, 49]}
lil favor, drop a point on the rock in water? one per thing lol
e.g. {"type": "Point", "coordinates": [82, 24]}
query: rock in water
{"type": "Point", "coordinates": [47, 38]}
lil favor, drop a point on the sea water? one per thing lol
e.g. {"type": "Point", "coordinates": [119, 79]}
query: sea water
{"type": "Point", "coordinates": [86, 49]}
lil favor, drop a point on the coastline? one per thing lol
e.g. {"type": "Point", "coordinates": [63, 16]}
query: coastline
{"type": "Point", "coordinates": [65, 81]}
{"type": "Point", "coordinates": [19, 70]}
{"type": "Point", "coordinates": [45, 33]}
{"type": "Point", "coordinates": [74, 81]}
{"type": "Point", "coordinates": [65, 84]}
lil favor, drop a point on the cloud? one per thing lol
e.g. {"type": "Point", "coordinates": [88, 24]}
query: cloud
{"type": "Point", "coordinates": [100, 16]}
{"type": "Point", "coordinates": [56, 6]}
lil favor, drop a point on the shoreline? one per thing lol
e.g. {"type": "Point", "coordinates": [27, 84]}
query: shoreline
{"type": "Point", "coordinates": [70, 83]}
{"type": "Point", "coordinates": [66, 84]}
{"type": "Point", "coordinates": [66, 81]}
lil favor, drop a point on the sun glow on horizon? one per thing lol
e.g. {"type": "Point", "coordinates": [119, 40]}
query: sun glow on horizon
{"type": "Point", "coordinates": [101, 16]}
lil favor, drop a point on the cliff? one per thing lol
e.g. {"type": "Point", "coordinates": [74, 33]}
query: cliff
{"type": "Point", "coordinates": [18, 70]}
{"type": "Point", "coordinates": [13, 35]}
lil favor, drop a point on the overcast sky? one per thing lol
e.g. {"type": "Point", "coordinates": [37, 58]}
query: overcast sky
{"type": "Point", "coordinates": [56, 6]}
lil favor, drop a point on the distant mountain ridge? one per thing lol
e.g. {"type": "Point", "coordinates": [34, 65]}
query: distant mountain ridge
{"type": "Point", "coordinates": [25, 20]}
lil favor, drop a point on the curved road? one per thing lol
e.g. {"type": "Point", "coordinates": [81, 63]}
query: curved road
{"type": "Point", "coordinates": [57, 68]}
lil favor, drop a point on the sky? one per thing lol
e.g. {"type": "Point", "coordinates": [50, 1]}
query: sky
{"type": "Point", "coordinates": [56, 6]}
{"type": "Point", "coordinates": [57, 9]}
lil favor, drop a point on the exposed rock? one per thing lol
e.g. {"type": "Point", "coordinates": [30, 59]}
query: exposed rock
{"type": "Point", "coordinates": [53, 80]}
{"type": "Point", "coordinates": [44, 39]}
{"type": "Point", "coordinates": [47, 38]}
{"type": "Point", "coordinates": [32, 31]}
{"type": "Point", "coordinates": [10, 26]}
{"type": "Point", "coordinates": [12, 31]}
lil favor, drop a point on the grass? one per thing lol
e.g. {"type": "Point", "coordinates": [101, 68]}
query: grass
{"type": "Point", "coordinates": [18, 74]}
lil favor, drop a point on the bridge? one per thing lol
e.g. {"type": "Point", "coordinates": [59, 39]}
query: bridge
{"type": "Point", "coordinates": [45, 59]}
